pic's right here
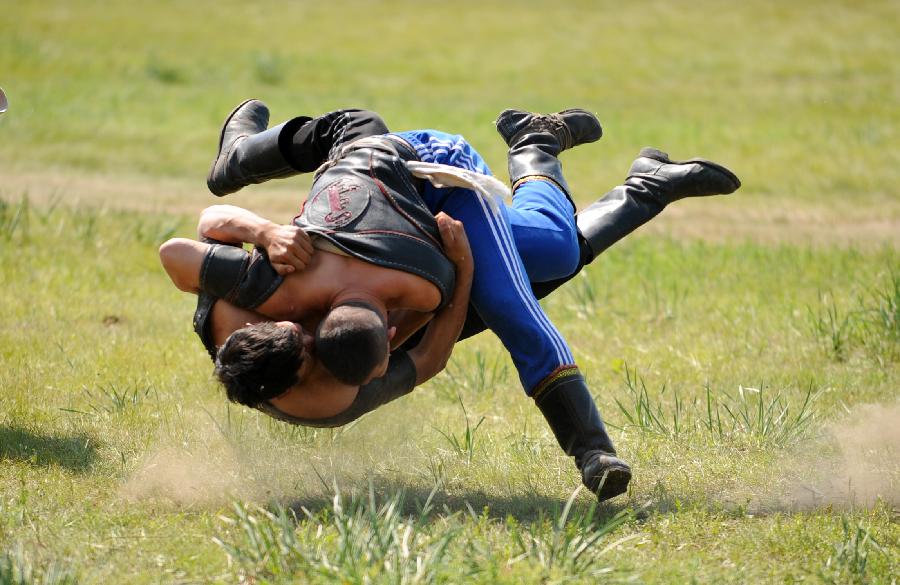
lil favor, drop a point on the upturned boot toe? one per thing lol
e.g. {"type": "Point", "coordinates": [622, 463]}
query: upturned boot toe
{"type": "Point", "coordinates": [695, 177]}
{"type": "Point", "coordinates": [248, 118]}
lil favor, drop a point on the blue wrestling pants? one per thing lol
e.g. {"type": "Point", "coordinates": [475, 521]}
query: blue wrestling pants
{"type": "Point", "coordinates": [533, 240]}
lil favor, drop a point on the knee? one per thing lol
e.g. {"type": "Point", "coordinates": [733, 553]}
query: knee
{"type": "Point", "coordinates": [554, 255]}
{"type": "Point", "coordinates": [569, 255]}
{"type": "Point", "coordinates": [564, 250]}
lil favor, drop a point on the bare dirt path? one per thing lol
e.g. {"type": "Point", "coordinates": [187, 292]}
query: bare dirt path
{"type": "Point", "coordinates": [741, 217]}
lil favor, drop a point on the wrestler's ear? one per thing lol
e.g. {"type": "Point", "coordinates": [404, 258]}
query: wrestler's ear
{"type": "Point", "coordinates": [391, 332]}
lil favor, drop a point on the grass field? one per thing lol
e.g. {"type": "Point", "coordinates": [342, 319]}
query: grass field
{"type": "Point", "coordinates": [744, 350]}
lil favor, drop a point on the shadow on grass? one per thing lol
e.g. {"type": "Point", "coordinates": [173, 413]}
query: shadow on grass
{"type": "Point", "coordinates": [523, 508]}
{"type": "Point", "coordinates": [75, 453]}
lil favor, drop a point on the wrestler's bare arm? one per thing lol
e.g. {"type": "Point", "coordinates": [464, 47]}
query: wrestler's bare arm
{"type": "Point", "coordinates": [430, 356]}
{"type": "Point", "coordinates": [288, 246]}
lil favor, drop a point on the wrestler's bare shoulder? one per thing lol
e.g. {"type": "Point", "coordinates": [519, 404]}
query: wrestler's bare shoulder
{"type": "Point", "coordinates": [227, 318]}
{"type": "Point", "coordinates": [318, 396]}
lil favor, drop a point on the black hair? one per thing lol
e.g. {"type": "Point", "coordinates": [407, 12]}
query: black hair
{"type": "Point", "coordinates": [259, 362]}
{"type": "Point", "coordinates": [351, 341]}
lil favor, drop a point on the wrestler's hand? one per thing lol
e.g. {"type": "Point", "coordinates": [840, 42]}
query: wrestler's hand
{"type": "Point", "coordinates": [456, 243]}
{"type": "Point", "coordinates": [288, 246]}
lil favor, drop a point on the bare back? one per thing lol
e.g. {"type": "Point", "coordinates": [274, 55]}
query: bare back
{"type": "Point", "coordinates": [308, 294]}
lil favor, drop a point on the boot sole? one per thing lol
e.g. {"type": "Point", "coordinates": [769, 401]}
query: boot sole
{"type": "Point", "coordinates": [662, 157]}
{"type": "Point", "coordinates": [515, 137]}
{"type": "Point", "coordinates": [212, 170]}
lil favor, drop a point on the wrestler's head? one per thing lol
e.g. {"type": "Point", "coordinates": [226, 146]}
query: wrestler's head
{"type": "Point", "coordinates": [353, 342]}
{"type": "Point", "coordinates": [262, 361]}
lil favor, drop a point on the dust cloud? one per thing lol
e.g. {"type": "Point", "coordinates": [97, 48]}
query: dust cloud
{"type": "Point", "coordinates": [207, 470]}
{"type": "Point", "coordinates": [189, 479]}
{"type": "Point", "coordinates": [860, 467]}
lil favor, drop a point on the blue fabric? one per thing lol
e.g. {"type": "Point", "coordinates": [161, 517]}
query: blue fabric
{"type": "Point", "coordinates": [535, 238]}
{"type": "Point", "coordinates": [543, 225]}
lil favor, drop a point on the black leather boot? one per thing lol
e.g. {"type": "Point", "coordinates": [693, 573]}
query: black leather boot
{"type": "Point", "coordinates": [535, 141]}
{"type": "Point", "coordinates": [653, 182]}
{"type": "Point", "coordinates": [248, 152]}
{"type": "Point", "coordinates": [572, 415]}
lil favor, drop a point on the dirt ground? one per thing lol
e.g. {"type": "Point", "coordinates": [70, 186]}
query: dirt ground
{"type": "Point", "coordinates": [740, 217]}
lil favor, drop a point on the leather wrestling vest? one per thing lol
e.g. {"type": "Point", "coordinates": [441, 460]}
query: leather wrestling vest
{"type": "Point", "coordinates": [367, 203]}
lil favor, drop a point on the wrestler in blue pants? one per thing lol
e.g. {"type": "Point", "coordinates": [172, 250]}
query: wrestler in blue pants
{"type": "Point", "coordinates": [533, 240]}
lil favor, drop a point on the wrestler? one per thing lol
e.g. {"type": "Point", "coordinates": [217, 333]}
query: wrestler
{"type": "Point", "coordinates": [541, 205]}
{"type": "Point", "coordinates": [237, 288]}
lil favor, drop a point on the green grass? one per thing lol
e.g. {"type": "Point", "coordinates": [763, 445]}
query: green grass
{"type": "Point", "coordinates": [120, 459]}
{"type": "Point", "coordinates": [753, 386]}
{"type": "Point", "coordinates": [798, 96]}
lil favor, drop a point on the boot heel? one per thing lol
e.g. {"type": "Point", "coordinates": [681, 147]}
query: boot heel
{"type": "Point", "coordinates": [655, 154]}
